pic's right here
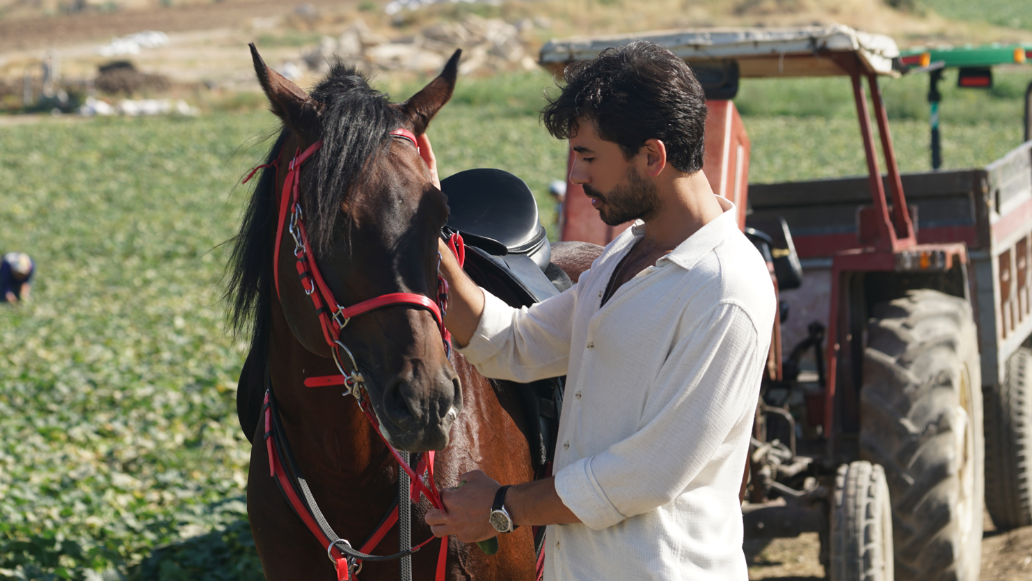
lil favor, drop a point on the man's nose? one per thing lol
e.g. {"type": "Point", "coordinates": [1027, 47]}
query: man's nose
{"type": "Point", "coordinates": [578, 175]}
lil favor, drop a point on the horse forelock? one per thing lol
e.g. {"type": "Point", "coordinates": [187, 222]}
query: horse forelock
{"type": "Point", "coordinates": [356, 121]}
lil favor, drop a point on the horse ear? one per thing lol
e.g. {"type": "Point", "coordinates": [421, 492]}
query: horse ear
{"type": "Point", "coordinates": [422, 107]}
{"type": "Point", "coordinates": [289, 102]}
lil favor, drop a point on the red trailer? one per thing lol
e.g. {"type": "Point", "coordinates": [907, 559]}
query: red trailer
{"type": "Point", "coordinates": [874, 437]}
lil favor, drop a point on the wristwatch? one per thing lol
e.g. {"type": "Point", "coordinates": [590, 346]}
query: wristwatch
{"type": "Point", "coordinates": [500, 518]}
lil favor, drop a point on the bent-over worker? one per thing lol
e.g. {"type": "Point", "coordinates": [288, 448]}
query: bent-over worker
{"type": "Point", "coordinates": [16, 270]}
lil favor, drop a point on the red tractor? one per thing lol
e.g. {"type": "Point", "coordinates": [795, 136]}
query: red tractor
{"type": "Point", "coordinates": [913, 307]}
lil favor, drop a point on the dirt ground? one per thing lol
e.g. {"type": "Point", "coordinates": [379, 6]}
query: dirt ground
{"type": "Point", "coordinates": [1005, 556]}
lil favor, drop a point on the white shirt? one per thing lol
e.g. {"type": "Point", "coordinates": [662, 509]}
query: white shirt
{"type": "Point", "coordinates": [662, 385]}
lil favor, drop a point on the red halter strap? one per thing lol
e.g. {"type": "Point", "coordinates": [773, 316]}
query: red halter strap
{"type": "Point", "coordinates": [405, 134]}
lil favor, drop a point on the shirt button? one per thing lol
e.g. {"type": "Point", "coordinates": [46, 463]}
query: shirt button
{"type": "Point", "coordinates": [557, 544]}
{"type": "Point", "coordinates": [566, 445]}
{"type": "Point", "coordinates": [591, 345]}
{"type": "Point", "coordinates": [577, 395]}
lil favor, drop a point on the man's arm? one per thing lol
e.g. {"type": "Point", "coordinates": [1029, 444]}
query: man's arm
{"type": "Point", "coordinates": [520, 346]}
{"type": "Point", "coordinates": [465, 299]}
{"type": "Point", "coordinates": [707, 388]}
{"type": "Point", "coordinates": [529, 504]}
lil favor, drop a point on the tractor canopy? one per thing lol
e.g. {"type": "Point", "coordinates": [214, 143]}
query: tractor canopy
{"type": "Point", "coordinates": [811, 51]}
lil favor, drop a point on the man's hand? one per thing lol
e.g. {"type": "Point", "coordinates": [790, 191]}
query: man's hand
{"type": "Point", "coordinates": [427, 153]}
{"type": "Point", "coordinates": [468, 506]}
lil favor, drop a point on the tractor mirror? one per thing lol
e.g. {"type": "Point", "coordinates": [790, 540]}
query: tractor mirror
{"type": "Point", "coordinates": [719, 79]}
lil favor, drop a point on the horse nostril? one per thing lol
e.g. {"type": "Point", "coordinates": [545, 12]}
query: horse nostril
{"type": "Point", "coordinates": [456, 401]}
{"type": "Point", "coordinates": [398, 403]}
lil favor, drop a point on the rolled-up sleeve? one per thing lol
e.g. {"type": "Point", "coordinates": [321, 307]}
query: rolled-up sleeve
{"type": "Point", "coordinates": [523, 344]}
{"type": "Point", "coordinates": [706, 387]}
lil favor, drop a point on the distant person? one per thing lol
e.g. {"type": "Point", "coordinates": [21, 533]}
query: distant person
{"type": "Point", "coordinates": [16, 270]}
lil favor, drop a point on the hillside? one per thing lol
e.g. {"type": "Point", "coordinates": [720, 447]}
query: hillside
{"type": "Point", "coordinates": [206, 39]}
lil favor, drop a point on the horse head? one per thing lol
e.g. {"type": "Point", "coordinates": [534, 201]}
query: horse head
{"type": "Point", "coordinates": [373, 218]}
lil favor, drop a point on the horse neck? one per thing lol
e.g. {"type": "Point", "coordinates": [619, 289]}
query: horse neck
{"type": "Point", "coordinates": [330, 436]}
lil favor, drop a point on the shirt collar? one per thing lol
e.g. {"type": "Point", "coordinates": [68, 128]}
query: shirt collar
{"type": "Point", "coordinates": [687, 253]}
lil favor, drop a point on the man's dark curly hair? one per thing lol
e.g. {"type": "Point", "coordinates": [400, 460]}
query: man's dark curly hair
{"type": "Point", "coordinates": [631, 94]}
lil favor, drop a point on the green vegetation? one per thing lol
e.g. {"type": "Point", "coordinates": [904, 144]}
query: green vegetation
{"type": "Point", "coordinates": [117, 382]}
{"type": "Point", "coordinates": [1012, 13]}
{"type": "Point", "coordinates": [905, 98]}
{"type": "Point", "coordinates": [120, 454]}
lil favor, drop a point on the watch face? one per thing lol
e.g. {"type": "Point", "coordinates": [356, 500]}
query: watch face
{"type": "Point", "coordinates": [500, 521]}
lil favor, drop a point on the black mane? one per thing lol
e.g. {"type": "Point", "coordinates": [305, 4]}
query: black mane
{"type": "Point", "coordinates": [355, 123]}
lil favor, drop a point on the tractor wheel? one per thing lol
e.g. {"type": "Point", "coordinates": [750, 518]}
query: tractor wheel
{"type": "Point", "coordinates": [1008, 443]}
{"type": "Point", "coordinates": [921, 420]}
{"type": "Point", "coordinates": [861, 525]}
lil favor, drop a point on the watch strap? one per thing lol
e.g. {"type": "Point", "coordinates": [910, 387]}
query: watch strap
{"type": "Point", "coordinates": [499, 506]}
{"type": "Point", "coordinates": [499, 499]}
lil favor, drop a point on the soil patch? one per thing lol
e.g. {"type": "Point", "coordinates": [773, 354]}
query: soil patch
{"type": "Point", "coordinates": [1006, 556]}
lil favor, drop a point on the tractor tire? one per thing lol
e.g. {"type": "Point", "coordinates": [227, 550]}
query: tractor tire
{"type": "Point", "coordinates": [921, 420]}
{"type": "Point", "coordinates": [1008, 443]}
{"type": "Point", "coordinates": [861, 525]}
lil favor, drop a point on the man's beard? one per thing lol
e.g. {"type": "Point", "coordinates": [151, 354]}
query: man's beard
{"type": "Point", "coordinates": [637, 199]}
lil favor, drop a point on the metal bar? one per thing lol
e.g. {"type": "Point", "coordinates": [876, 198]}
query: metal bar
{"type": "Point", "coordinates": [887, 240]}
{"type": "Point", "coordinates": [900, 216]}
{"type": "Point", "coordinates": [934, 97]}
{"type": "Point", "coordinates": [1028, 113]}
{"type": "Point", "coordinates": [404, 518]}
{"type": "Point", "coordinates": [832, 347]}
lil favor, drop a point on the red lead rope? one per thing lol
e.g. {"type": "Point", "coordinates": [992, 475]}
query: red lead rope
{"type": "Point", "coordinates": [332, 321]}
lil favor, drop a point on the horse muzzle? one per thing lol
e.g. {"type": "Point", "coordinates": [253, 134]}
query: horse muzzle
{"type": "Point", "coordinates": [416, 409]}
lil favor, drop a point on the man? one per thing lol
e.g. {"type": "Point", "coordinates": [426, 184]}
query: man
{"type": "Point", "coordinates": [16, 270]}
{"type": "Point", "coordinates": [663, 341]}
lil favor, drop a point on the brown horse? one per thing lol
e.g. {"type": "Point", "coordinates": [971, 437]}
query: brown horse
{"type": "Point", "coordinates": [373, 218]}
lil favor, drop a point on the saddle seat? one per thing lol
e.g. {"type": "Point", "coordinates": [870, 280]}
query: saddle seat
{"type": "Point", "coordinates": [496, 212]}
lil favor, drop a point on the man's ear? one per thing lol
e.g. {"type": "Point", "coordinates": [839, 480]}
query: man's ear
{"type": "Point", "coordinates": [655, 157]}
{"type": "Point", "coordinates": [289, 102]}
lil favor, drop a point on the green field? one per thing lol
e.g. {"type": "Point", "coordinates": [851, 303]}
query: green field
{"type": "Point", "coordinates": [1010, 13]}
{"type": "Point", "coordinates": [120, 455]}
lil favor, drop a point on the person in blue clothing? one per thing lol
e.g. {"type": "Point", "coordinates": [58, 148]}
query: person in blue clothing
{"type": "Point", "coordinates": [16, 270]}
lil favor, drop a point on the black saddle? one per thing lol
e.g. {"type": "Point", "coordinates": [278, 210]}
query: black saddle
{"type": "Point", "coordinates": [496, 212]}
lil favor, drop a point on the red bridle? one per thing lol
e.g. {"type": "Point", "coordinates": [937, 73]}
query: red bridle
{"type": "Point", "coordinates": [333, 317]}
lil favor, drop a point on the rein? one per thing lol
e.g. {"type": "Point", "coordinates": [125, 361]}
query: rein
{"type": "Point", "coordinates": [333, 317]}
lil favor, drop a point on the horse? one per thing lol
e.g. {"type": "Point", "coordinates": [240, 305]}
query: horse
{"type": "Point", "coordinates": [363, 224]}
